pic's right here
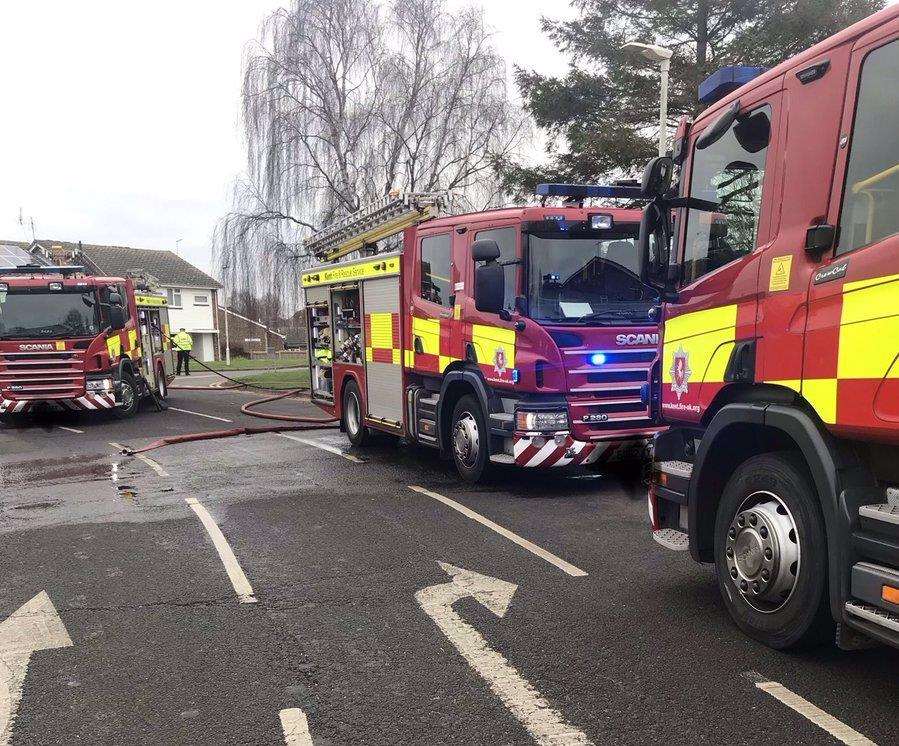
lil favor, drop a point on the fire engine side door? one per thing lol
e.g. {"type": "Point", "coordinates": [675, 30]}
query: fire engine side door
{"type": "Point", "coordinates": [851, 373]}
{"type": "Point", "coordinates": [433, 276]}
{"type": "Point", "coordinates": [720, 254]}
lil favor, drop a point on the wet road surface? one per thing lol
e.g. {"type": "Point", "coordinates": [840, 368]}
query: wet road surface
{"type": "Point", "coordinates": [377, 613]}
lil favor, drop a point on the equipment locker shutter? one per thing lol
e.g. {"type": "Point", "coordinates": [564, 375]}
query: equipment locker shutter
{"type": "Point", "coordinates": [383, 353]}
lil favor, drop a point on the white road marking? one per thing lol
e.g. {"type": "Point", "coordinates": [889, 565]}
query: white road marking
{"type": "Point", "coordinates": [810, 712]}
{"type": "Point", "coordinates": [71, 430]}
{"type": "Point", "coordinates": [564, 566]}
{"type": "Point", "coordinates": [295, 727]}
{"type": "Point", "coordinates": [241, 585]}
{"type": "Point", "coordinates": [35, 626]}
{"type": "Point", "coordinates": [200, 414]}
{"type": "Point", "coordinates": [324, 447]}
{"type": "Point", "coordinates": [545, 725]}
{"type": "Point", "coordinates": [146, 459]}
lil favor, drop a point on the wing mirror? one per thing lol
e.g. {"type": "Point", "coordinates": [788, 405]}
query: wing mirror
{"type": "Point", "coordinates": [485, 250]}
{"type": "Point", "coordinates": [116, 317]}
{"type": "Point", "coordinates": [657, 177]}
{"type": "Point", "coordinates": [820, 238]}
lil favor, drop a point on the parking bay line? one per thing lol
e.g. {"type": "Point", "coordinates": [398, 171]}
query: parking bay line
{"type": "Point", "coordinates": [564, 566]}
{"type": "Point", "coordinates": [238, 579]}
{"type": "Point", "coordinates": [810, 712]}
{"type": "Point", "coordinates": [71, 430]}
{"type": "Point", "coordinates": [146, 459]}
{"type": "Point", "coordinates": [200, 414]}
{"type": "Point", "coordinates": [324, 447]}
{"type": "Point", "coordinates": [295, 727]}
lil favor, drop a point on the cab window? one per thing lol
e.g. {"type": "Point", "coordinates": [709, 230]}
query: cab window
{"type": "Point", "coordinates": [730, 173]}
{"type": "Point", "coordinates": [436, 259]}
{"type": "Point", "coordinates": [507, 239]}
{"type": "Point", "coordinates": [871, 193]}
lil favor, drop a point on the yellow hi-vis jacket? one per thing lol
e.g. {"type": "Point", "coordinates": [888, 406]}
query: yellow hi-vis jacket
{"type": "Point", "coordinates": [183, 341]}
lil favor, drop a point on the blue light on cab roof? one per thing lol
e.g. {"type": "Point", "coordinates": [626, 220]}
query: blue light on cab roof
{"type": "Point", "coordinates": [726, 80]}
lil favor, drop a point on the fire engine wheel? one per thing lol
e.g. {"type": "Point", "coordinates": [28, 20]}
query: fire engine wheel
{"type": "Point", "coordinates": [129, 398]}
{"type": "Point", "coordinates": [771, 553]}
{"type": "Point", "coordinates": [469, 439]}
{"type": "Point", "coordinates": [357, 433]}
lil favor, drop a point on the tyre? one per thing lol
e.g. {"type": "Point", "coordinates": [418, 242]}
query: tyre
{"type": "Point", "coordinates": [771, 553]}
{"type": "Point", "coordinates": [468, 438]}
{"type": "Point", "coordinates": [130, 398]}
{"type": "Point", "coordinates": [351, 416]}
{"type": "Point", "coordinates": [162, 388]}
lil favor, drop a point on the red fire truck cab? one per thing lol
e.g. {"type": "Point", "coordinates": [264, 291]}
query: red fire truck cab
{"type": "Point", "coordinates": [780, 367]}
{"type": "Point", "coordinates": [75, 342]}
{"type": "Point", "coordinates": [520, 336]}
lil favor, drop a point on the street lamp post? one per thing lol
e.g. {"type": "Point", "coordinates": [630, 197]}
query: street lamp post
{"type": "Point", "coordinates": [662, 56]}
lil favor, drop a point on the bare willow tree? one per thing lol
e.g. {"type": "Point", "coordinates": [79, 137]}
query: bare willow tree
{"type": "Point", "coordinates": [344, 100]}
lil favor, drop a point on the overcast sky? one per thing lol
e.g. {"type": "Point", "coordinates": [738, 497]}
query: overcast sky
{"type": "Point", "coordinates": [120, 119]}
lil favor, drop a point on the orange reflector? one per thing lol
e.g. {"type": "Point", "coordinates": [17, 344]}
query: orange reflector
{"type": "Point", "coordinates": [890, 594]}
{"type": "Point", "coordinates": [663, 478]}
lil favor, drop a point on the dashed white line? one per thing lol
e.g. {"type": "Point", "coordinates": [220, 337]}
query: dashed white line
{"type": "Point", "coordinates": [564, 566]}
{"type": "Point", "coordinates": [200, 414]}
{"type": "Point", "coordinates": [238, 579]}
{"type": "Point", "coordinates": [836, 728]}
{"type": "Point", "coordinates": [324, 447]}
{"type": "Point", "coordinates": [295, 727]}
{"type": "Point", "coordinates": [71, 430]}
{"type": "Point", "coordinates": [146, 459]}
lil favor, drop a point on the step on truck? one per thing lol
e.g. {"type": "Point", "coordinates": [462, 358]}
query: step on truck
{"type": "Point", "coordinates": [780, 352]}
{"type": "Point", "coordinates": [75, 342]}
{"type": "Point", "coordinates": [520, 336]}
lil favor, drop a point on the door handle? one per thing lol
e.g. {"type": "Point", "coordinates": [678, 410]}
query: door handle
{"type": "Point", "coordinates": [418, 346]}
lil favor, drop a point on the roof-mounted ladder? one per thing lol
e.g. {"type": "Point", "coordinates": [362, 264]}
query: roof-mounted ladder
{"type": "Point", "coordinates": [375, 221]}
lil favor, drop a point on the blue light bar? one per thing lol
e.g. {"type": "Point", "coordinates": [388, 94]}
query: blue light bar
{"type": "Point", "coordinates": [726, 80]}
{"type": "Point", "coordinates": [584, 191]}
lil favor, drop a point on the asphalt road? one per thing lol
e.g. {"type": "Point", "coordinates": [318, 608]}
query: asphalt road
{"type": "Point", "coordinates": [595, 633]}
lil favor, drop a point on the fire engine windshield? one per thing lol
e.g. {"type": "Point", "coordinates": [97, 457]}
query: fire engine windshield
{"type": "Point", "coordinates": [580, 276]}
{"type": "Point", "coordinates": [48, 315]}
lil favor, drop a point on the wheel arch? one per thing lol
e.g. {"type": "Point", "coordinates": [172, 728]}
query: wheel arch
{"type": "Point", "coordinates": [457, 383]}
{"type": "Point", "coordinates": [742, 430]}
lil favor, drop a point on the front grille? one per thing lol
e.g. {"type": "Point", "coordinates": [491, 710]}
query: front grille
{"type": "Point", "coordinates": [613, 395]}
{"type": "Point", "coordinates": [41, 375]}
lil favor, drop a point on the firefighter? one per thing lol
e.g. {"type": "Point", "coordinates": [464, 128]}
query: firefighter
{"type": "Point", "coordinates": [185, 343]}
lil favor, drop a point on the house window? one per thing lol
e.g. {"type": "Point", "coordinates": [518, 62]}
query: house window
{"type": "Point", "coordinates": [174, 296]}
{"type": "Point", "coordinates": [201, 300]}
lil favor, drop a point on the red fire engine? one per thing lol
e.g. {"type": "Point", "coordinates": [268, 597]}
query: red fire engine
{"type": "Point", "coordinates": [520, 336]}
{"type": "Point", "coordinates": [71, 341]}
{"type": "Point", "coordinates": [780, 369]}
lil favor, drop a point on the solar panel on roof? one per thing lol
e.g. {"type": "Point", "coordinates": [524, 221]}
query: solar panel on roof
{"type": "Point", "coordinates": [14, 256]}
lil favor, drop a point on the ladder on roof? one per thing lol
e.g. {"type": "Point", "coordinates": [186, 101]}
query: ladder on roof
{"type": "Point", "coordinates": [375, 221]}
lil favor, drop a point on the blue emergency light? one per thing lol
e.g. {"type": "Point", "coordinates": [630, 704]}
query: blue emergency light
{"type": "Point", "coordinates": [586, 191]}
{"type": "Point", "coordinates": [598, 358]}
{"type": "Point", "coordinates": [726, 80]}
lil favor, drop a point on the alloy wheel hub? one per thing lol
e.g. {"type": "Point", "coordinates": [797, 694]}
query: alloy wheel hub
{"type": "Point", "coordinates": [466, 441]}
{"type": "Point", "coordinates": [762, 552]}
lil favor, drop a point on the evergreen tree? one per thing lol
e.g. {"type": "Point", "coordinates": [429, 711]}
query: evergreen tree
{"type": "Point", "coordinates": [602, 117]}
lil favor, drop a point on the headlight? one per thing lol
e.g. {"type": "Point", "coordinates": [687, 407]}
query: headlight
{"type": "Point", "coordinates": [541, 421]}
{"type": "Point", "coordinates": [100, 384]}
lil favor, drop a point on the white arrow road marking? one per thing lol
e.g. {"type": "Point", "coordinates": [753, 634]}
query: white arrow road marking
{"type": "Point", "coordinates": [545, 725]}
{"type": "Point", "coordinates": [838, 729]}
{"type": "Point", "coordinates": [295, 727]}
{"type": "Point", "coordinates": [35, 626]}
{"type": "Point", "coordinates": [564, 566]}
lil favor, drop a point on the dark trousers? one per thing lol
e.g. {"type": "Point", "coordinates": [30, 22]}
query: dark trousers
{"type": "Point", "coordinates": [184, 357]}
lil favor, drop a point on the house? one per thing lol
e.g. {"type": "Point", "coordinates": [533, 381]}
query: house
{"type": "Point", "coordinates": [193, 295]}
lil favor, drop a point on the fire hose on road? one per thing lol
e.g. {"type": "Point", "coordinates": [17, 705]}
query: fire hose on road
{"type": "Point", "coordinates": [300, 422]}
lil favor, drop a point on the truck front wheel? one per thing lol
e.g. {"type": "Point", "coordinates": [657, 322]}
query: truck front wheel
{"type": "Point", "coordinates": [771, 553]}
{"type": "Point", "coordinates": [468, 438]}
{"type": "Point", "coordinates": [130, 399]}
